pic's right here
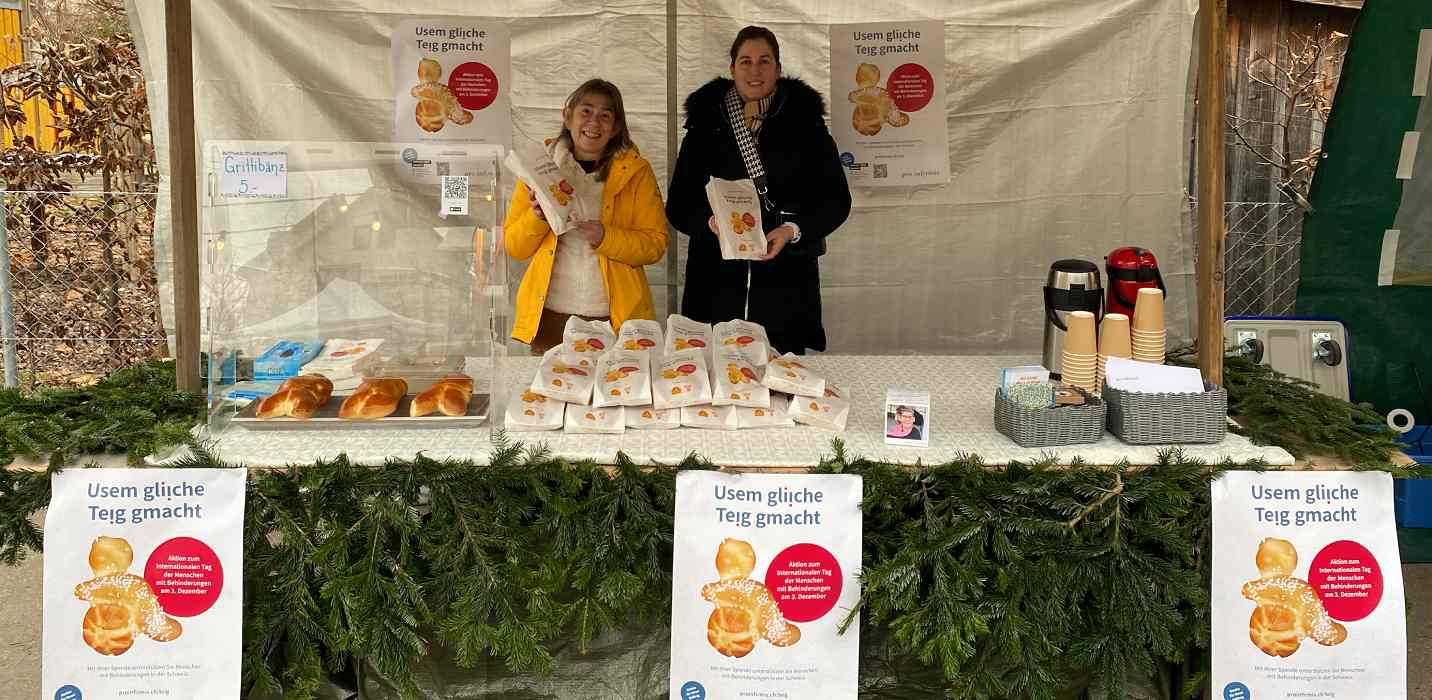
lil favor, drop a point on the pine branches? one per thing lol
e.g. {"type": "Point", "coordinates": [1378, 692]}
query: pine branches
{"type": "Point", "coordinates": [1275, 409]}
{"type": "Point", "coordinates": [135, 411]}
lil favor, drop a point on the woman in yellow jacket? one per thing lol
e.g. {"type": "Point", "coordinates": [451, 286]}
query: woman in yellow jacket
{"type": "Point", "coordinates": [594, 271]}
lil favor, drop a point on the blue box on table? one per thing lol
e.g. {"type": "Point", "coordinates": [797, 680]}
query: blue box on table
{"type": "Point", "coordinates": [1412, 498]}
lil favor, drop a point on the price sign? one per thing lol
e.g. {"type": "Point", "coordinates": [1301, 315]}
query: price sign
{"type": "Point", "coordinates": [253, 174]}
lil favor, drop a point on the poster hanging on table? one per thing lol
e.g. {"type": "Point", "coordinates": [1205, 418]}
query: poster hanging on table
{"type": "Point", "coordinates": [1307, 587]}
{"type": "Point", "coordinates": [887, 110]}
{"type": "Point", "coordinates": [451, 79]}
{"type": "Point", "coordinates": [143, 588]}
{"type": "Point", "coordinates": [765, 570]}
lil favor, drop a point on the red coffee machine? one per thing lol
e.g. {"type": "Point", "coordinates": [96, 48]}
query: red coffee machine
{"type": "Point", "coordinates": [1129, 270]}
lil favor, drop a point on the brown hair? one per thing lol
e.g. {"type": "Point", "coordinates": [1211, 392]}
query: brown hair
{"type": "Point", "coordinates": [621, 137]}
{"type": "Point", "coordinates": [756, 33]}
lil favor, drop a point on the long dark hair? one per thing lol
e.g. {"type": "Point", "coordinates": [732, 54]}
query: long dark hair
{"type": "Point", "coordinates": [621, 136]}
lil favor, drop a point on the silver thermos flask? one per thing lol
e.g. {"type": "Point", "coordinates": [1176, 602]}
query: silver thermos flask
{"type": "Point", "coordinates": [1073, 286]}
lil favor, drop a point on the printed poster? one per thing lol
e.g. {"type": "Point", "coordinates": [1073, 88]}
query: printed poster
{"type": "Point", "coordinates": [451, 80]}
{"type": "Point", "coordinates": [889, 126]}
{"type": "Point", "coordinates": [1307, 587]}
{"type": "Point", "coordinates": [765, 569]}
{"type": "Point", "coordinates": [143, 587]}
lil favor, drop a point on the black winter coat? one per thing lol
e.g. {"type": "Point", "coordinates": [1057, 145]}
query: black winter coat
{"type": "Point", "coordinates": [806, 182]}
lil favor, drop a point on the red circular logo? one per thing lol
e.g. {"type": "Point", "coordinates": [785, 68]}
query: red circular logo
{"type": "Point", "coordinates": [474, 84]}
{"type": "Point", "coordinates": [805, 581]}
{"type": "Point", "coordinates": [1347, 579]}
{"type": "Point", "coordinates": [186, 576]}
{"type": "Point", "coordinates": [911, 86]}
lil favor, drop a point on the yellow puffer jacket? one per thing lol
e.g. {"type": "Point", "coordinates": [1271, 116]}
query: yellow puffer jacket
{"type": "Point", "coordinates": [634, 220]}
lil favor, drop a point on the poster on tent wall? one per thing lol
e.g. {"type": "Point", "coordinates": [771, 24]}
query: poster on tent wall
{"type": "Point", "coordinates": [143, 589]}
{"type": "Point", "coordinates": [1307, 587]}
{"type": "Point", "coordinates": [451, 80]}
{"type": "Point", "coordinates": [765, 569]}
{"type": "Point", "coordinates": [887, 111]}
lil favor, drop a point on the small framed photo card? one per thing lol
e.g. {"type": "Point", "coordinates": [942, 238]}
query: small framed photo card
{"type": "Point", "coordinates": [907, 418]}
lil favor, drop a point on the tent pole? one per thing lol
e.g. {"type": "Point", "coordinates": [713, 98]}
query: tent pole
{"type": "Point", "coordinates": [183, 192]}
{"type": "Point", "coordinates": [1212, 30]}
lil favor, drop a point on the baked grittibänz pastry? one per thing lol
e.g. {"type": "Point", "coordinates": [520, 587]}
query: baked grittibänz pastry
{"type": "Point", "coordinates": [1288, 609]}
{"type": "Point", "coordinates": [448, 396]}
{"type": "Point", "coordinates": [745, 611]}
{"type": "Point", "coordinates": [298, 397]}
{"type": "Point", "coordinates": [373, 399]}
{"type": "Point", "coordinates": [122, 605]}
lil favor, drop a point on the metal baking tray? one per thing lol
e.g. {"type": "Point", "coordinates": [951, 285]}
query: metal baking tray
{"type": "Point", "coordinates": [326, 418]}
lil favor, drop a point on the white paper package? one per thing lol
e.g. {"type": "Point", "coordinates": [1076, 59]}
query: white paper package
{"type": "Point", "coordinates": [590, 419]}
{"type": "Point", "coordinates": [777, 416]}
{"type": "Point", "coordinates": [828, 411]}
{"type": "Point", "coordinates": [563, 377]}
{"type": "Point", "coordinates": [648, 418]}
{"type": "Point", "coordinates": [560, 204]}
{"type": "Point", "coordinates": [747, 336]}
{"type": "Point", "coordinates": [588, 337]}
{"type": "Point", "coordinates": [734, 382]}
{"type": "Point", "coordinates": [684, 334]}
{"type": "Point", "coordinates": [640, 335]}
{"type": "Point", "coordinates": [623, 379]}
{"type": "Point", "coordinates": [790, 375]}
{"type": "Point", "coordinates": [343, 359]}
{"type": "Point", "coordinates": [710, 417]}
{"type": "Point", "coordinates": [680, 380]}
{"type": "Point", "coordinates": [533, 411]}
{"type": "Point", "coordinates": [737, 208]}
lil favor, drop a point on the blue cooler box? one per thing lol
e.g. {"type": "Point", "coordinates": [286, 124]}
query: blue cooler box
{"type": "Point", "coordinates": [1412, 498]}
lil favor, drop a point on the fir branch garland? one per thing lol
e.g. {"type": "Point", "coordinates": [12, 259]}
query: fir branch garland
{"type": "Point", "coordinates": [135, 411]}
{"type": "Point", "coordinates": [1276, 409]}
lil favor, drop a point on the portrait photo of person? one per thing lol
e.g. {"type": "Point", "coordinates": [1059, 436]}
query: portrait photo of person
{"type": "Point", "coordinates": [904, 423]}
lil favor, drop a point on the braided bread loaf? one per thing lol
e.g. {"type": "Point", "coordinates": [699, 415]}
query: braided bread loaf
{"type": "Point", "coordinates": [297, 397]}
{"type": "Point", "coordinates": [448, 395]}
{"type": "Point", "coordinates": [374, 399]}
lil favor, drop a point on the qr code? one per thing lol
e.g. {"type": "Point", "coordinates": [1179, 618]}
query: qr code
{"type": "Point", "coordinates": [454, 195]}
{"type": "Point", "coordinates": [881, 171]}
{"type": "Point", "coordinates": [444, 168]}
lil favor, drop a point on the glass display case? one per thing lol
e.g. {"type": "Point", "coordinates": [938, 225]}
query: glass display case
{"type": "Point", "coordinates": [357, 261]}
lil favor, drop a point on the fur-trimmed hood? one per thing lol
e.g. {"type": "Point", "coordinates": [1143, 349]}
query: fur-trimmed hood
{"type": "Point", "coordinates": [794, 99]}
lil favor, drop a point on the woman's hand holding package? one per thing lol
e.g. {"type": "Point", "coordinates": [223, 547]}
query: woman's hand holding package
{"type": "Point", "coordinates": [777, 239]}
{"type": "Point", "coordinates": [536, 207]}
{"type": "Point", "coordinates": [591, 231]}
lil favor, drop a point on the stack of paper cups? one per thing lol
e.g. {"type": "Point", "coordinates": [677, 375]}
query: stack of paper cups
{"type": "Point", "coordinates": [1079, 364]}
{"type": "Point", "coordinates": [1114, 341]}
{"type": "Point", "coordinates": [1148, 336]}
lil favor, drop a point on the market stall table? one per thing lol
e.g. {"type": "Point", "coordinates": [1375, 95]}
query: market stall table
{"type": "Point", "coordinates": [961, 421]}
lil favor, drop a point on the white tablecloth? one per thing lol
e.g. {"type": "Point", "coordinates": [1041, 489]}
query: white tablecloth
{"type": "Point", "coordinates": [961, 417]}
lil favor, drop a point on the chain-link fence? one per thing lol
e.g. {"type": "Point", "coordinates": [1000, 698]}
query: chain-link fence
{"type": "Point", "coordinates": [1261, 258]}
{"type": "Point", "coordinates": [80, 298]}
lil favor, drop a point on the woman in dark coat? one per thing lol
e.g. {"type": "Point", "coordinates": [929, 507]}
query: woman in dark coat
{"type": "Point", "coordinates": [807, 196]}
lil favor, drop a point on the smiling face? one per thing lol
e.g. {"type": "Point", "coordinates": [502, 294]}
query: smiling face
{"type": "Point", "coordinates": [905, 417]}
{"type": "Point", "coordinates": [755, 69]}
{"type": "Point", "coordinates": [592, 123]}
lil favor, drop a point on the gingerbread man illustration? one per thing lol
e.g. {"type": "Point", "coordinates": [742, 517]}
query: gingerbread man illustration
{"type": "Point", "coordinates": [873, 104]}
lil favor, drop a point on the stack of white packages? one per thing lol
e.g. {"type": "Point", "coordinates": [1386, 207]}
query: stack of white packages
{"type": "Point", "coordinates": [694, 375]}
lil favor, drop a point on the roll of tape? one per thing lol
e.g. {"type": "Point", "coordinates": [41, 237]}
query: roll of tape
{"type": "Point", "coordinates": [1400, 419]}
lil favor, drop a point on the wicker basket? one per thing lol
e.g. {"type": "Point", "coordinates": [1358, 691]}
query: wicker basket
{"type": "Point", "coordinates": [1049, 427]}
{"type": "Point", "coordinates": [1161, 419]}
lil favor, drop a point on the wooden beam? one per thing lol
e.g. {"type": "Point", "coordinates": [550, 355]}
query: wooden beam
{"type": "Point", "coordinates": [1212, 21]}
{"type": "Point", "coordinates": [183, 192]}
